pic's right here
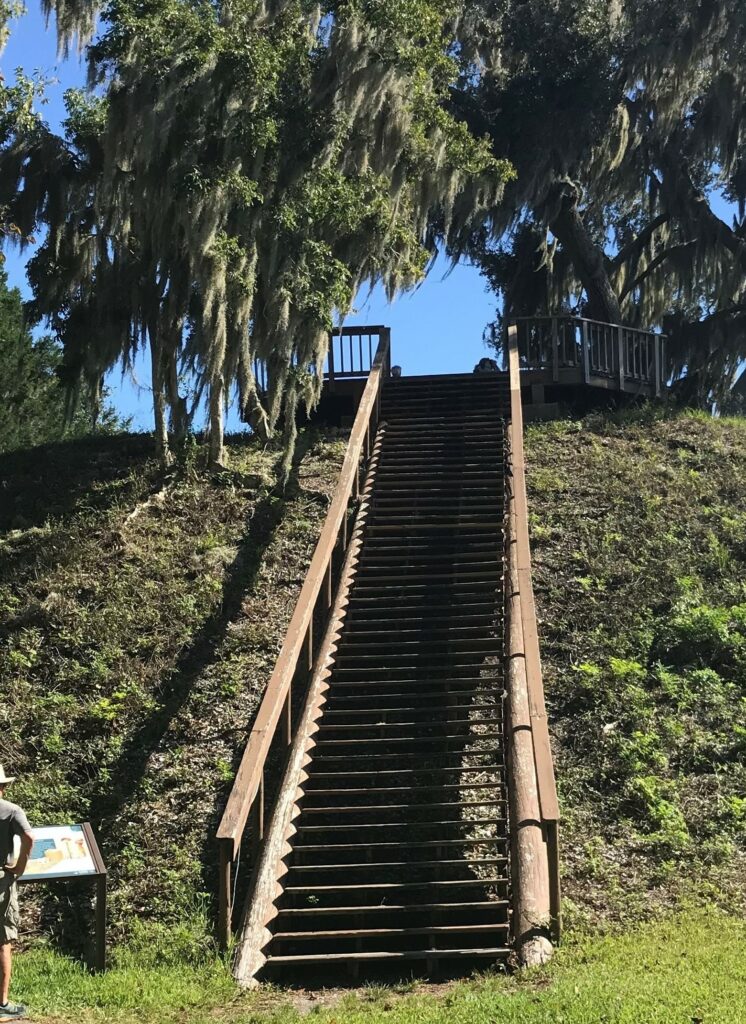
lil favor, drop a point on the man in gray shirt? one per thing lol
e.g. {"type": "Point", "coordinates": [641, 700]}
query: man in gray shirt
{"type": "Point", "coordinates": [13, 823]}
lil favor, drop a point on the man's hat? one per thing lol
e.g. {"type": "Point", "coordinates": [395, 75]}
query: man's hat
{"type": "Point", "coordinates": [5, 780]}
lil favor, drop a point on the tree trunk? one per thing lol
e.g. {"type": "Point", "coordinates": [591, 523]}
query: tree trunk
{"type": "Point", "coordinates": [178, 404]}
{"type": "Point", "coordinates": [96, 402]}
{"type": "Point", "coordinates": [217, 395]}
{"type": "Point", "coordinates": [162, 449]}
{"type": "Point", "coordinates": [587, 258]}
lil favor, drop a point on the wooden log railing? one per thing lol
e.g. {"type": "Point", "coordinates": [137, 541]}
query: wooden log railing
{"type": "Point", "coordinates": [628, 358]}
{"type": "Point", "coordinates": [274, 721]}
{"type": "Point", "coordinates": [533, 791]}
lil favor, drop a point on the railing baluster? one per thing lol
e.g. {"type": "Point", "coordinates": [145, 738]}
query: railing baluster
{"type": "Point", "coordinates": [586, 354]}
{"type": "Point", "coordinates": [657, 345]}
{"type": "Point", "coordinates": [555, 350]}
{"type": "Point", "coordinates": [331, 362]}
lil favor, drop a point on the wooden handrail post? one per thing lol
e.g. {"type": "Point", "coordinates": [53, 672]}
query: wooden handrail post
{"type": "Point", "coordinates": [309, 647]}
{"type": "Point", "coordinates": [555, 888]}
{"type": "Point", "coordinates": [256, 822]}
{"type": "Point", "coordinates": [386, 342]}
{"type": "Point", "coordinates": [225, 899]}
{"type": "Point", "coordinates": [620, 345]}
{"type": "Point", "coordinates": [286, 721]}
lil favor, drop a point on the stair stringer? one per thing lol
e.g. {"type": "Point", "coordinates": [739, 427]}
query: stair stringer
{"type": "Point", "coordinates": [266, 884]}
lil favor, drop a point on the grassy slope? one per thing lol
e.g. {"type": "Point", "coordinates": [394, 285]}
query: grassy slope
{"type": "Point", "coordinates": [640, 542]}
{"type": "Point", "coordinates": [639, 530]}
{"type": "Point", "coordinates": [138, 626]}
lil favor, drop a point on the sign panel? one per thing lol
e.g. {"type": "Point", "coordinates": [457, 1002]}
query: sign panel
{"type": "Point", "coordinates": [59, 851]}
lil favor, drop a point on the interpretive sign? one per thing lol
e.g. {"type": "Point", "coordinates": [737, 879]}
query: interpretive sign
{"type": "Point", "coordinates": [59, 852]}
{"type": "Point", "coordinates": [68, 852]}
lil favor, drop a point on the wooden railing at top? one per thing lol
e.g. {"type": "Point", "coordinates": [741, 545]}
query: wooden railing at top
{"type": "Point", "coordinates": [521, 553]}
{"type": "Point", "coordinates": [625, 355]}
{"type": "Point", "coordinates": [275, 714]}
{"type": "Point", "coordinates": [351, 352]}
{"type": "Point", "coordinates": [350, 355]}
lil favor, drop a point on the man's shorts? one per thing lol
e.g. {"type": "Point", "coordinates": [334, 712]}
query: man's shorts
{"type": "Point", "coordinates": [10, 917]}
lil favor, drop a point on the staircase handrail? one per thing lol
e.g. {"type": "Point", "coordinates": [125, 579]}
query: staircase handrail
{"type": "Point", "coordinates": [275, 711]}
{"type": "Point", "coordinates": [520, 572]}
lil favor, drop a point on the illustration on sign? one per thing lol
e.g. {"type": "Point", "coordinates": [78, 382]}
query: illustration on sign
{"type": "Point", "coordinates": [60, 851]}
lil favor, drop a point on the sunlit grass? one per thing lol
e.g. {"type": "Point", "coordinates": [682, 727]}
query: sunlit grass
{"type": "Point", "coordinates": [688, 968]}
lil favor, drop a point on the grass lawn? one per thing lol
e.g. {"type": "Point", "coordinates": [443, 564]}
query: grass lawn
{"type": "Point", "coordinates": [689, 968]}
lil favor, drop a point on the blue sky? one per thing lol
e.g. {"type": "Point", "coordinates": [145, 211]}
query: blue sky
{"type": "Point", "coordinates": [435, 329]}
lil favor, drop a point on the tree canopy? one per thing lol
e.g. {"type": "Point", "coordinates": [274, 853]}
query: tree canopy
{"type": "Point", "coordinates": [245, 169]}
{"type": "Point", "coordinates": [623, 121]}
{"type": "Point", "coordinates": [35, 406]}
{"type": "Point", "coordinates": [237, 170]}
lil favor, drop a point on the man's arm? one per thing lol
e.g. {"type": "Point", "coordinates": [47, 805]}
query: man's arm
{"type": "Point", "coordinates": [22, 829]}
{"type": "Point", "coordinates": [27, 842]}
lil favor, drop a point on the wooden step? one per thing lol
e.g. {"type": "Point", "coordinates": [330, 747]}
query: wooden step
{"type": "Point", "coordinates": [493, 953]}
{"type": "Point", "coordinates": [375, 932]}
{"type": "Point", "coordinates": [404, 773]}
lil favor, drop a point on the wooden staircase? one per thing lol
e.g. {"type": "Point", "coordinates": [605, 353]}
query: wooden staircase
{"type": "Point", "coordinates": [401, 846]}
{"type": "Point", "coordinates": [395, 809]}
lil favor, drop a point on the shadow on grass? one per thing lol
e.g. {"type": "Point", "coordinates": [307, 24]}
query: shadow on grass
{"type": "Point", "coordinates": [70, 919]}
{"type": "Point", "coordinates": [53, 480]}
{"type": "Point", "coordinates": [241, 575]}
